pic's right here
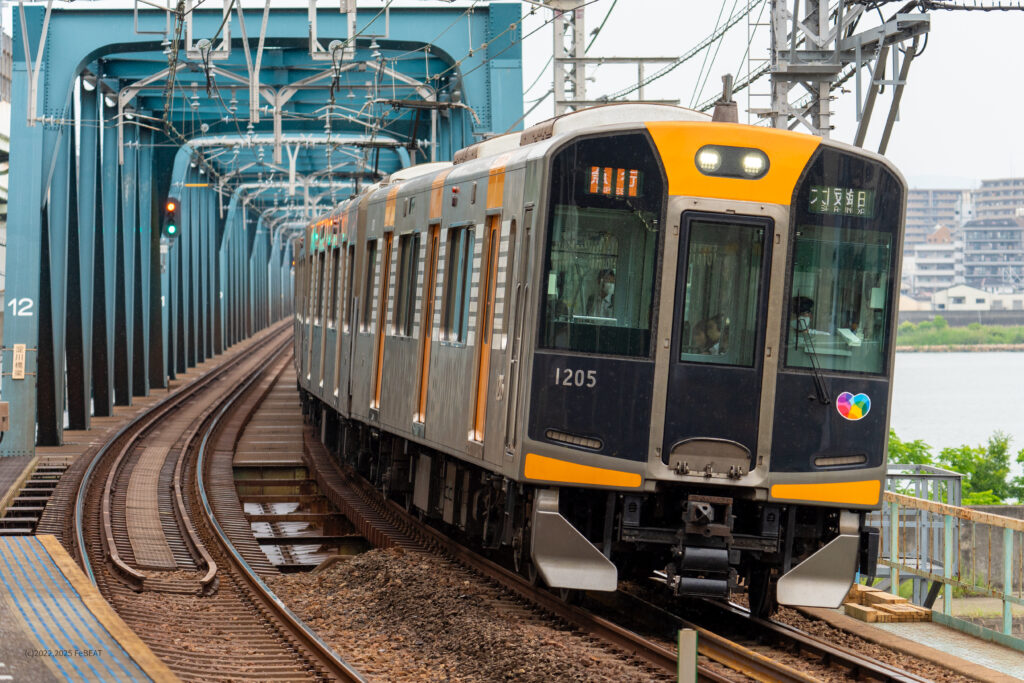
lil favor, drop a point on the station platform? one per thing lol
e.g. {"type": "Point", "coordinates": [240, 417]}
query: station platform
{"type": "Point", "coordinates": [972, 657]}
{"type": "Point", "coordinates": [55, 626]}
{"type": "Point", "coordinates": [73, 455]}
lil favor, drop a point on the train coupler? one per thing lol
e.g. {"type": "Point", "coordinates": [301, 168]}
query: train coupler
{"type": "Point", "coordinates": [701, 564]}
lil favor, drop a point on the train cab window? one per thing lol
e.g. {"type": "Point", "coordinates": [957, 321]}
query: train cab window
{"type": "Point", "coordinates": [369, 279]}
{"type": "Point", "coordinates": [408, 267]}
{"type": "Point", "coordinates": [724, 266]}
{"type": "Point", "coordinates": [846, 228]}
{"type": "Point", "coordinates": [607, 196]}
{"type": "Point", "coordinates": [457, 273]}
{"type": "Point", "coordinates": [838, 303]}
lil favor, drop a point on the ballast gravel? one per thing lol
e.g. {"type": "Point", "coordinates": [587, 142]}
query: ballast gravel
{"type": "Point", "coordinates": [400, 616]}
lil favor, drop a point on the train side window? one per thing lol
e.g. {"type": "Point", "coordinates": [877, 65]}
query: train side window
{"type": "Point", "coordinates": [408, 269]}
{"type": "Point", "coordinates": [335, 276]}
{"type": "Point", "coordinates": [457, 272]}
{"type": "Point", "coordinates": [350, 274]}
{"type": "Point", "coordinates": [310, 284]}
{"type": "Point", "coordinates": [724, 265]}
{"type": "Point", "coordinates": [369, 278]}
{"type": "Point", "coordinates": [510, 262]}
{"type": "Point", "coordinates": [601, 255]}
{"type": "Point", "coordinates": [321, 275]}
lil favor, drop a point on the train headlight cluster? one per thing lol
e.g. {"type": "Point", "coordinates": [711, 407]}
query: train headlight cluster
{"type": "Point", "coordinates": [732, 162]}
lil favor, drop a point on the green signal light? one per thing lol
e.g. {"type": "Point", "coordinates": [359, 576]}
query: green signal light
{"type": "Point", "coordinates": [172, 229]}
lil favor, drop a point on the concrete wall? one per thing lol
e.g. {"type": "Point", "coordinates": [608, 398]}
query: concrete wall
{"type": "Point", "coordinates": [964, 318]}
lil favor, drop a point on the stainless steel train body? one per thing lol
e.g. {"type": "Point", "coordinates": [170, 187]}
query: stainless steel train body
{"type": "Point", "coordinates": [627, 341]}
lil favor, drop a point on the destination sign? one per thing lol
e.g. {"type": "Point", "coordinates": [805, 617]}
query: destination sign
{"type": "Point", "coordinates": [614, 182]}
{"type": "Point", "coordinates": [841, 201]}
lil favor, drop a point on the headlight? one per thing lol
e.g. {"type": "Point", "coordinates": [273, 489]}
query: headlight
{"type": "Point", "coordinates": [709, 159]}
{"type": "Point", "coordinates": [754, 163]}
{"type": "Point", "coordinates": [732, 162]}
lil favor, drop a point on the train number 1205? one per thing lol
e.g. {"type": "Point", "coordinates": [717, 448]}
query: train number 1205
{"type": "Point", "coordinates": [575, 378]}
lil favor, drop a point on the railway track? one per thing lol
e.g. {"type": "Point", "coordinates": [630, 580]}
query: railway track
{"type": "Point", "coordinates": [144, 514]}
{"type": "Point", "coordinates": [717, 621]}
{"type": "Point", "coordinates": [729, 638]}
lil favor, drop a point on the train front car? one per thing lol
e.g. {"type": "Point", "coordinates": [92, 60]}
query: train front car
{"type": "Point", "coordinates": [710, 386]}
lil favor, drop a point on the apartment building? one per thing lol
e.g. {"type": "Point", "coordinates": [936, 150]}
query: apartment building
{"type": "Point", "coordinates": [935, 265]}
{"type": "Point", "coordinates": [993, 253]}
{"type": "Point", "coordinates": [999, 198]}
{"type": "Point", "coordinates": [927, 209]}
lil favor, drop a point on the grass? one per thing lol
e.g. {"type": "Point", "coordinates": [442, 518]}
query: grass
{"type": "Point", "coordinates": [939, 333]}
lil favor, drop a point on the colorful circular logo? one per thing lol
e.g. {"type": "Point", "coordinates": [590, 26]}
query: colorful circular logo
{"type": "Point", "coordinates": [853, 407]}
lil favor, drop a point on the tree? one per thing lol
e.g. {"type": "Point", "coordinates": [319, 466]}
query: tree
{"type": "Point", "coordinates": [915, 452]}
{"type": "Point", "coordinates": [981, 498]}
{"type": "Point", "coordinates": [986, 469]}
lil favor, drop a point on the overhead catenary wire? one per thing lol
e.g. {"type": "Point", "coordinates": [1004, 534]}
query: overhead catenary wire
{"type": "Point", "coordinates": [704, 44]}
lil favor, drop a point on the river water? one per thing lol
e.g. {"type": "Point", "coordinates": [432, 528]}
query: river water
{"type": "Point", "coordinates": [951, 399]}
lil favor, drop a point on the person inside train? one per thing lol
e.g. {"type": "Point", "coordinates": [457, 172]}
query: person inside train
{"type": "Point", "coordinates": [699, 340]}
{"type": "Point", "coordinates": [802, 313]}
{"type": "Point", "coordinates": [715, 329]}
{"type": "Point", "coordinates": [602, 301]}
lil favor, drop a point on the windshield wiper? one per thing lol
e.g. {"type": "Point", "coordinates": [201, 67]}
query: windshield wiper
{"type": "Point", "coordinates": [819, 377]}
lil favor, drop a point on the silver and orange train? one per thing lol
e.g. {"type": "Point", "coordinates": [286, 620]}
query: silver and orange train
{"type": "Point", "coordinates": [627, 342]}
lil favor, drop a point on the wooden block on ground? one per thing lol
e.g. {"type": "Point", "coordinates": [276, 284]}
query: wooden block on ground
{"type": "Point", "coordinates": [882, 598]}
{"type": "Point", "coordinates": [861, 612]}
{"type": "Point", "coordinates": [857, 593]}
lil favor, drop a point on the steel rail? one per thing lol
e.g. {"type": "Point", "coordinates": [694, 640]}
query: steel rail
{"type": "Point", "coordinates": [715, 647]}
{"type": "Point", "coordinates": [652, 654]}
{"type": "Point", "coordinates": [858, 665]}
{"type": "Point", "coordinates": [338, 669]}
{"type": "Point", "coordinates": [139, 423]}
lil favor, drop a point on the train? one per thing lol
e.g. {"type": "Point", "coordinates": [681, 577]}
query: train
{"type": "Point", "coordinates": [629, 342]}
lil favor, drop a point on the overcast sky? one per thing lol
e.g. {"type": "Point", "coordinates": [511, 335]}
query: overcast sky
{"type": "Point", "coordinates": [962, 107]}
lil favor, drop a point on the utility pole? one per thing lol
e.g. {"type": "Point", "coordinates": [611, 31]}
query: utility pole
{"type": "Point", "coordinates": [570, 46]}
{"type": "Point", "coordinates": [820, 49]}
{"type": "Point", "coordinates": [570, 60]}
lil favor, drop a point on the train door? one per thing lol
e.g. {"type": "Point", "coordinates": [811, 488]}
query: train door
{"type": "Point", "coordinates": [485, 325]}
{"type": "Point", "coordinates": [714, 383]}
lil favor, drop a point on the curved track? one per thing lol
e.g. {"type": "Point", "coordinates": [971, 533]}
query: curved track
{"type": "Point", "coordinates": [161, 558]}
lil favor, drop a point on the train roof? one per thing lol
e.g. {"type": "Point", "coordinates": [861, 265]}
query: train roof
{"type": "Point", "coordinates": [604, 115]}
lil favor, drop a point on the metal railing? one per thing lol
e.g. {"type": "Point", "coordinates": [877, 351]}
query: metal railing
{"type": "Point", "coordinates": [959, 551]}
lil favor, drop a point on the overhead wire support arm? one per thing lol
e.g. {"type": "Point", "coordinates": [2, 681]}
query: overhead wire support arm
{"type": "Point", "coordinates": [818, 51]}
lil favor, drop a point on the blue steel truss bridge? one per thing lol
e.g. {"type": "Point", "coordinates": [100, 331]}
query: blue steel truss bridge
{"type": "Point", "coordinates": [162, 153]}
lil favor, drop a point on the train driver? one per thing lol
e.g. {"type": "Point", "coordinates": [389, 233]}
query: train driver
{"type": "Point", "coordinates": [803, 308]}
{"type": "Point", "coordinates": [602, 302]}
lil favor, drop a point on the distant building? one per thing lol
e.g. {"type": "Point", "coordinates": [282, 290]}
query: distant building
{"type": "Point", "coordinates": [993, 256]}
{"type": "Point", "coordinates": [927, 209]}
{"type": "Point", "coordinates": [6, 62]}
{"type": "Point", "coordinates": [909, 303]}
{"type": "Point", "coordinates": [965, 298]}
{"type": "Point", "coordinates": [1000, 198]}
{"type": "Point", "coordinates": [936, 264]}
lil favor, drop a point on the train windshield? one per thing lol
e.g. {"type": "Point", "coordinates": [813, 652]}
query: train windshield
{"type": "Point", "coordinates": [604, 220]}
{"type": "Point", "coordinates": [723, 290]}
{"type": "Point", "coordinates": [847, 223]}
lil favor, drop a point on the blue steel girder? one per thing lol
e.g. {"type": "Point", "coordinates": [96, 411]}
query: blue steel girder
{"type": "Point", "coordinates": [95, 289]}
